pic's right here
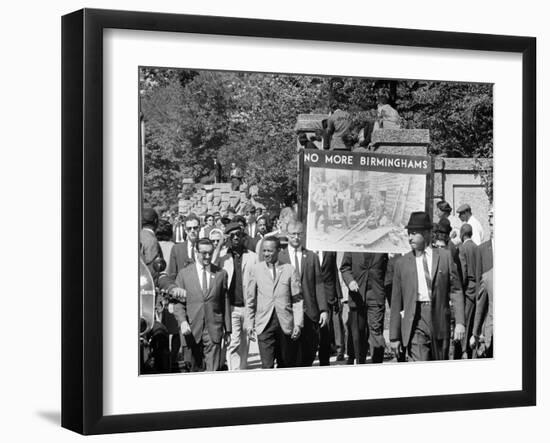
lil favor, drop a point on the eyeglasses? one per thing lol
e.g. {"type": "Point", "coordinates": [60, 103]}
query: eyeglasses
{"type": "Point", "coordinates": [192, 228]}
{"type": "Point", "coordinates": [235, 235]}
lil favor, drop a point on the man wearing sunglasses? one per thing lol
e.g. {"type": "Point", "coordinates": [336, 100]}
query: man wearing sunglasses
{"type": "Point", "coordinates": [183, 254]}
{"type": "Point", "coordinates": [204, 319]}
{"type": "Point", "coordinates": [425, 281]}
{"type": "Point", "coordinates": [238, 263]}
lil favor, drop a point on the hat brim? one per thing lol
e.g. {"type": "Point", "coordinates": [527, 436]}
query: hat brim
{"type": "Point", "coordinates": [423, 227]}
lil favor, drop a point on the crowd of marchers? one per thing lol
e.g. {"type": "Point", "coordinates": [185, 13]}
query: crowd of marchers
{"type": "Point", "coordinates": [233, 279]}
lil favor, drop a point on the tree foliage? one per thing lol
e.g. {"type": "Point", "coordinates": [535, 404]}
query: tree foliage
{"type": "Point", "coordinates": [192, 117]}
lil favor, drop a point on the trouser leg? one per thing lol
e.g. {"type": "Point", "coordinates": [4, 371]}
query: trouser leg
{"type": "Point", "coordinates": [375, 322]}
{"type": "Point", "coordinates": [267, 343]}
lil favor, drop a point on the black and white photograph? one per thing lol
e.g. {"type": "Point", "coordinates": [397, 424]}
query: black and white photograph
{"type": "Point", "coordinates": [296, 220]}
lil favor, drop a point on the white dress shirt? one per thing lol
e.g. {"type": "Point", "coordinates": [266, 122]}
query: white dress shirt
{"type": "Point", "coordinates": [291, 252]}
{"type": "Point", "coordinates": [199, 268]}
{"type": "Point", "coordinates": [423, 294]}
{"type": "Point", "coordinates": [477, 230]}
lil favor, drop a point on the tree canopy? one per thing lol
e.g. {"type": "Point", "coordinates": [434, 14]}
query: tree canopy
{"type": "Point", "coordinates": [192, 117]}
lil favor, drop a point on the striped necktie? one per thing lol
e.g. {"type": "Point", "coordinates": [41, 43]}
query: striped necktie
{"type": "Point", "coordinates": [427, 274]}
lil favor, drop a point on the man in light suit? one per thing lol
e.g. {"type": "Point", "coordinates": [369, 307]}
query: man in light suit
{"type": "Point", "coordinates": [275, 307]}
{"type": "Point", "coordinates": [238, 263]}
{"type": "Point", "coordinates": [424, 282]}
{"type": "Point", "coordinates": [306, 263]}
{"type": "Point", "coordinates": [204, 318]}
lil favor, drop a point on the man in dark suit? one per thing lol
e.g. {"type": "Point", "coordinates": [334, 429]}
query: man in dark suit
{"type": "Point", "coordinates": [364, 274]}
{"type": "Point", "coordinates": [483, 320]}
{"type": "Point", "coordinates": [306, 264]}
{"type": "Point", "coordinates": [183, 254]}
{"type": "Point", "coordinates": [468, 252]}
{"type": "Point", "coordinates": [424, 282]}
{"type": "Point", "coordinates": [205, 318]}
{"type": "Point", "coordinates": [248, 241]}
{"type": "Point", "coordinates": [148, 244]}
{"type": "Point", "coordinates": [332, 334]}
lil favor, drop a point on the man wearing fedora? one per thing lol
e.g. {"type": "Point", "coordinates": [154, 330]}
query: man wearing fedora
{"type": "Point", "coordinates": [443, 211]}
{"type": "Point", "coordinates": [424, 283]}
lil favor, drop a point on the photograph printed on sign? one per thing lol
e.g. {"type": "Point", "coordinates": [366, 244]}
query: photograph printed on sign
{"type": "Point", "coordinates": [310, 220]}
{"type": "Point", "coordinates": [362, 211]}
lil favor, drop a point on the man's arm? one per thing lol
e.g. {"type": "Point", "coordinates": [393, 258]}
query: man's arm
{"type": "Point", "coordinates": [463, 265]}
{"type": "Point", "coordinates": [396, 305]}
{"type": "Point", "coordinates": [456, 293]}
{"type": "Point", "coordinates": [345, 269]}
{"type": "Point", "coordinates": [251, 300]}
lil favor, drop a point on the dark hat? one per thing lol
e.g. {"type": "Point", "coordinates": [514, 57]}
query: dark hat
{"type": "Point", "coordinates": [233, 226]}
{"type": "Point", "coordinates": [444, 206]}
{"type": "Point", "coordinates": [463, 208]}
{"type": "Point", "coordinates": [149, 216]}
{"type": "Point", "coordinates": [419, 220]}
{"type": "Point", "coordinates": [225, 220]}
{"type": "Point", "coordinates": [239, 218]}
{"type": "Point", "coordinates": [444, 226]}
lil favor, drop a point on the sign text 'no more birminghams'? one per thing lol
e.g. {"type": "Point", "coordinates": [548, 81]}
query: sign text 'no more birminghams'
{"type": "Point", "coordinates": [410, 164]}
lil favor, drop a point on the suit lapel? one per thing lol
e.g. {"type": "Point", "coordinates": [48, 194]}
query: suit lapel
{"type": "Point", "coordinates": [302, 262]}
{"type": "Point", "coordinates": [194, 280]}
{"type": "Point", "coordinates": [414, 272]}
{"type": "Point", "coordinates": [435, 264]}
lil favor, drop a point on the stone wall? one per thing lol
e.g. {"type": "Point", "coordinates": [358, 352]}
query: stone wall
{"type": "Point", "coordinates": [207, 199]}
{"type": "Point", "coordinates": [456, 180]}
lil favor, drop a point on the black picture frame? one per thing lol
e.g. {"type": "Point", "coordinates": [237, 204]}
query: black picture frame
{"type": "Point", "coordinates": [82, 220]}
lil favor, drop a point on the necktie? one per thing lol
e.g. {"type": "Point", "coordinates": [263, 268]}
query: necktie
{"type": "Point", "coordinates": [204, 281]}
{"type": "Point", "coordinates": [296, 261]}
{"type": "Point", "coordinates": [192, 253]}
{"type": "Point", "coordinates": [274, 272]}
{"type": "Point", "coordinates": [427, 274]}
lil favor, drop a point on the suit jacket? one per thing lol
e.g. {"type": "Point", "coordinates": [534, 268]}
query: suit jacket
{"type": "Point", "coordinates": [284, 295]}
{"type": "Point", "coordinates": [483, 320]}
{"type": "Point", "coordinates": [485, 260]}
{"type": "Point", "coordinates": [210, 310]}
{"type": "Point", "coordinates": [313, 288]}
{"type": "Point", "coordinates": [468, 255]}
{"type": "Point", "coordinates": [445, 287]}
{"type": "Point", "coordinates": [331, 280]}
{"type": "Point", "coordinates": [369, 271]}
{"type": "Point", "coordinates": [248, 260]}
{"type": "Point", "coordinates": [179, 259]}
{"type": "Point", "coordinates": [150, 249]}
